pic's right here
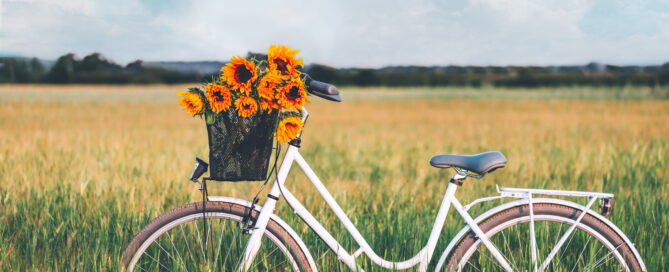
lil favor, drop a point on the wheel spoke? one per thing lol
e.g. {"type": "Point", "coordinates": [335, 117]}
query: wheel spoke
{"type": "Point", "coordinates": [595, 255]}
{"type": "Point", "coordinates": [272, 269]}
{"type": "Point", "coordinates": [565, 249]}
{"type": "Point", "coordinates": [220, 244]}
{"type": "Point", "coordinates": [206, 238]}
{"type": "Point", "coordinates": [579, 251]}
{"type": "Point", "coordinates": [175, 249]}
{"type": "Point", "coordinates": [513, 260]}
{"type": "Point", "coordinates": [605, 258]}
{"type": "Point", "coordinates": [185, 240]}
{"type": "Point", "coordinates": [162, 253]}
{"type": "Point", "coordinates": [163, 249]}
{"type": "Point", "coordinates": [158, 262]}
{"type": "Point", "coordinates": [240, 261]}
{"type": "Point", "coordinates": [557, 237]}
{"type": "Point", "coordinates": [469, 263]}
{"type": "Point", "coordinates": [199, 240]}
{"type": "Point", "coordinates": [231, 244]}
{"type": "Point", "coordinates": [270, 254]}
{"type": "Point", "coordinates": [581, 254]}
{"type": "Point", "coordinates": [520, 243]}
{"type": "Point", "coordinates": [492, 260]}
{"type": "Point", "coordinates": [141, 268]}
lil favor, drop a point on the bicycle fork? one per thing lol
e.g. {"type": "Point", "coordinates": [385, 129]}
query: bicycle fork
{"type": "Point", "coordinates": [255, 241]}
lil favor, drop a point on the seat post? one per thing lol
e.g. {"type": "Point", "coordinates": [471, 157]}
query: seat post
{"type": "Point", "coordinates": [458, 178]}
{"type": "Point", "coordinates": [449, 196]}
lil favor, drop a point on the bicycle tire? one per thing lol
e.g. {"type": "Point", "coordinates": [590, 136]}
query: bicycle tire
{"type": "Point", "coordinates": [542, 210]}
{"type": "Point", "coordinates": [235, 211]}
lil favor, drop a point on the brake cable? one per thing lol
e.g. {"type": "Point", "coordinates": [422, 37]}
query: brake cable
{"type": "Point", "coordinates": [247, 214]}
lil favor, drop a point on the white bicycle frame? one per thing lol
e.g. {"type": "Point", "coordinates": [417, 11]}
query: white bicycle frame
{"type": "Point", "coordinates": [424, 256]}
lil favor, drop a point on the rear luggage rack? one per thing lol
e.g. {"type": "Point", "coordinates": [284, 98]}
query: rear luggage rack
{"type": "Point", "coordinates": [528, 194]}
{"type": "Point", "coordinates": [523, 192]}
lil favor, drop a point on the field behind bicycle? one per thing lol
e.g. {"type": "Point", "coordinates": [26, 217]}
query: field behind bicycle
{"type": "Point", "coordinates": [83, 168]}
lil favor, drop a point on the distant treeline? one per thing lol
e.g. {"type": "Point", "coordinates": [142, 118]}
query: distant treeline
{"type": "Point", "coordinates": [95, 68]}
{"type": "Point", "coordinates": [500, 76]}
{"type": "Point", "coordinates": [92, 69]}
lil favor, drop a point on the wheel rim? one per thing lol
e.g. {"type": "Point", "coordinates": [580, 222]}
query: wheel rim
{"type": "Point", "coordinates": [182, 244]}
{"type": "Point", "coordinates": [585, 249]}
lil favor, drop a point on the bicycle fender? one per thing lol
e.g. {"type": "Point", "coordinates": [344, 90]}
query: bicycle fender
{"type": "Point", "coordinates": [274, 217]}
{"type": "Point", "coordinates": [521, 202]}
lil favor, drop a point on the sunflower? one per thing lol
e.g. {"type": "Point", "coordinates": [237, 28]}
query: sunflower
{"type": "Point", "coordinates": [282, 59]}
{"type": "Point", "coordinates": [219, 97]}
{"type": "Point", "coordinates": [246, 106]}
{"type": "Point", "coordinates": [268, 83]}
{"type": "Point", "coordinates": [293, 95]}
{"type": "Point", "coordinates": [268, 105]}
{"type": "Point", "coordinates": [288, 129]}
{"type": "Point", "coordinates": [192, 102]}
{"type": "Point", "coordinates": [239, 74]}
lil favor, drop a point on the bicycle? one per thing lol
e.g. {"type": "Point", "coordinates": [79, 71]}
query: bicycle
{"type": "Point", "coordinates": [252, 237]}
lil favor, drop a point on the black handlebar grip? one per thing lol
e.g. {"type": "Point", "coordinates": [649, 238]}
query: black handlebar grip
{"type": "Point", "coordinates": [322, 89]}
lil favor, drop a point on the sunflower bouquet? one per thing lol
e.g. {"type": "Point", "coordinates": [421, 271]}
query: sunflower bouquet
{"type": "Point", "coordinates": [250, 101]}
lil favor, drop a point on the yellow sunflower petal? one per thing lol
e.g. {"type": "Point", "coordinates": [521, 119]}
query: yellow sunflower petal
{"type": "Point", "coordinates": [288, 129]}
{"type": "Point", "coordinates": [192, 102]}
{"type": "Point", "coordinates": [246, 106]}
{"type": "Point", "coordinates": [282, 59]}
{"type": "Point", "coordinates": [293, 95]}
{"type": "Point", "coordinates": [268, 84]}
{"type": "Point", "coordinates": [219, 97]}
{"type": "Point", "coordinates": [239, 74]}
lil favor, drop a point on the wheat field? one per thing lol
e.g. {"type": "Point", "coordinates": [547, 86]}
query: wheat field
{"type": "Point", "coordinates": [84, 168]}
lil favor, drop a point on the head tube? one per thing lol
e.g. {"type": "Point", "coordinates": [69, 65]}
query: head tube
{"type": "Point", "coordinates": [305, 115]}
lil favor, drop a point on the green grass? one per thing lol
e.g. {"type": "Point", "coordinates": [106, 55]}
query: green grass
{"type": "Point", "coordinates": [83, 168]}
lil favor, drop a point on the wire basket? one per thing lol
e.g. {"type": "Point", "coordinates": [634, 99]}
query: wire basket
{"type": "Point", "coordinates": [239, 147]}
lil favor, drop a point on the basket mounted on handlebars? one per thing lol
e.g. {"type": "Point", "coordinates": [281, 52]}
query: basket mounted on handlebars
{"type": "Point", "coordinates": [250, 101]}
{"type": "Point", "coordinates": [240, 148]}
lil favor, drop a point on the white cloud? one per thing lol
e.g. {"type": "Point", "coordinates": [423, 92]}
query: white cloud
{"type": "Point", "coordinates": [343, 33]}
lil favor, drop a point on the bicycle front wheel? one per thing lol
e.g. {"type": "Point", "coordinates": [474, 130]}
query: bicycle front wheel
{"type": "Point", "coordinates": [592, 246]}
{"type": "Point", "coordinates": [181, 240]}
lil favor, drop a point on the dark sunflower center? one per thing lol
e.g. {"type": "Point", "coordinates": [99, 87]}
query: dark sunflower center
{"type": "Point", "coordinates": [242, 75]}
{"type": "Point", "coordinates": [293, 93]}
{"type": "Point", "coordinates": [246, 106]}
{"type": "Point", "coordinates": [282, 66]}
{"type": "Point", "coordinates": [217, 96]}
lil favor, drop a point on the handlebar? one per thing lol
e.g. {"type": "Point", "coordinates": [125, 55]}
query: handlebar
{"type": "Point", "coordinates": [321, 89]}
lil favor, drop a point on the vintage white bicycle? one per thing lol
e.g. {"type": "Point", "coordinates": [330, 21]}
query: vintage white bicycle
{"type": "Point", "coordinates": [532, 233]}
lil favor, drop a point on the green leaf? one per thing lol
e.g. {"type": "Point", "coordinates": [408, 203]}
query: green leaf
{"type": "Point", "coordinates": [211, 118]}
{"type": "Point", "coordinates": [195, 90]}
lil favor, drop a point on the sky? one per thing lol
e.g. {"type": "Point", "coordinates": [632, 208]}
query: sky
{"type": "Point", "coordinates": [347, 33]}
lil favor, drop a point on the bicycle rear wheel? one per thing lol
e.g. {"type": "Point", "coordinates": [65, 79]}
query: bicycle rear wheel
{"type": "Point", "coordinates": [180, 240]}
{"type": "Point", "coordinates": [592, 246]}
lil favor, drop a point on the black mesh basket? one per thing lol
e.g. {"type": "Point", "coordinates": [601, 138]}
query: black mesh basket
{"type": "Point", "coordinates": [240, 148]}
